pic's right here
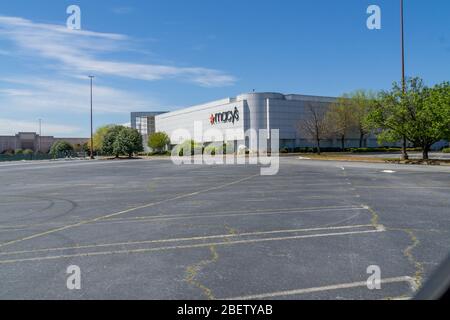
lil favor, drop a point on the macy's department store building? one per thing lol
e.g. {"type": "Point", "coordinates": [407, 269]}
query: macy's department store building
{"type": "Point", "coordinates": [252, 111]}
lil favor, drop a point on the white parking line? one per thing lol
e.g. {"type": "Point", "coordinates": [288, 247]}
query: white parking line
{"type": "Point", "coordinates": [206, 215]}
{"type": "Point", "coordinates": [191, 246]}
{"type": "Point", "coordinates": [406, 279]}
{"type": "Point", "coordinates": [256, 213]}
{"type": "Point", "coordinates": [61, 164]}
{"type": "Point", "coordinates": [237, 235]}
{"type": "Point", "coordinates": [115, 214]}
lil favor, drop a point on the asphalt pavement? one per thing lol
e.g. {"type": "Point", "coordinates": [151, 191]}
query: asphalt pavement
{"type": "Point", "coordinates": [148, 229]}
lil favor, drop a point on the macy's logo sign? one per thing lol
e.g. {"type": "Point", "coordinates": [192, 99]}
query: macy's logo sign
{"type": "Point", "coordinates": [225, 117]}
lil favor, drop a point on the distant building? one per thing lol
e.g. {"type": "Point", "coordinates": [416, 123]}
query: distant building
{"type": "Point", "coordinates": [145, 123]}
{"type": "Point", "coordinates": [32, 141]}
{"type": "Point", "coordinates": [250, 112]}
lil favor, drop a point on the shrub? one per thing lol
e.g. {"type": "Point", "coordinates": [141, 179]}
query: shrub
{"type": "Point", "coordinates": [61, 148]}
{"type": "Point", "coordinates": [218, 148]}
{"type": "Point", "coordinates": [183, 148]}
{"type": "Point", "coordinates": [383, 149]}
{"type": "Point", "coordinates": [18, 151]}
{"type": "Point", "coordinates": [151, 154]}
{"type": "Point", "coordinates": [446, 150]}
{"type": "Point", "coordinates": [158, 141]}
{"type": "Point", "coordinates": [211, 150]}
{"type": "Point", "coordinates": [8, 152]}
{"type": "Point", "coordinates": [28, 152]}
{"type": "Point", "coordinates": [86, 148]}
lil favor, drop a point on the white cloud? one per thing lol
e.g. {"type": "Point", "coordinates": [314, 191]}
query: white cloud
{"type": "Point", "coordinates": [12, 127]}
{"type": "Point", "coordinates": [80, 52]}
{"type": "Point", "coordinates": [27, 94]}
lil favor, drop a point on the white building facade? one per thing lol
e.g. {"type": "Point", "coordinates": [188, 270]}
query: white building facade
{"type": "Point", "coordinates": [237, 117]}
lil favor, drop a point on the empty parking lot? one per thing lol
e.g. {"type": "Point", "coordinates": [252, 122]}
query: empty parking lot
{"type": "Point", "coordinates": [147, 229]}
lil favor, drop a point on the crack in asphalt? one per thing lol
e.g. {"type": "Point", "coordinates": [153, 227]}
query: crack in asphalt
{"type": "Point", "coordinates": [408, 252]}
{"type": "Point", "coordinates": [193, 271]}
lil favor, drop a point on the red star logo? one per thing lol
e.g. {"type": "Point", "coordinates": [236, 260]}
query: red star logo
{"type": "Point", "coordinates": [212, 119]}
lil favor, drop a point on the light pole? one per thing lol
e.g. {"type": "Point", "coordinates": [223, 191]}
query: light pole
{"type": "Point", "coordinates": [92, 126]}
{"type": "Point", "coordinates": [403, 47]}
{"type": "Point", "coordinates": [402, 31]}
{"type": "Point", "coordinates": [40, 135]}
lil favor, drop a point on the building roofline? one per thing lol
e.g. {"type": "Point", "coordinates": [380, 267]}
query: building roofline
{"type": "Point", "coordinates": [245, 96]}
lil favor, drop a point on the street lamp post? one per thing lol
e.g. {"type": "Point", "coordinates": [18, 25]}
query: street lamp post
{"type": "Point", "coordinates": [92, 126]}
{"type": "Point", "coordinates": [40, 135]}
{"type": "Point", "coordinates": [402, 31]}
{"type": "Point", "coordinates": [403, 46]}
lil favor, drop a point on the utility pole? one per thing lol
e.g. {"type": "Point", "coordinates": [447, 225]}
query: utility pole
{"type": "Point", "coordinates": [403, 47]}
{"type": "Point", "coordinates": [40, 135]}
{"type": "Point", "coordinates": [92, 126]}
{"type": "Point", "coordinates": [404, 152]}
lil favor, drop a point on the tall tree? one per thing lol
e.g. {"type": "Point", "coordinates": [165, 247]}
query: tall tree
{"type": "Point", "coordinates": [421, 114]}
{"type": "Point", "coordinates": [341, 119]}
{"type": "Point", "coordinates": [361, 102]}
{"type": "Point", "coordinates": [128, 141]}
{"type": "Point", "coordinates": [314, 125]}
{"type": "Point", "coordinates": [99, 135]}
{"type": "Point", "coordinates": [387, 118]}
{"type": "Point", "coordinates": [432, 117]}
{"type": "Point", "coordinates": [109, 139]}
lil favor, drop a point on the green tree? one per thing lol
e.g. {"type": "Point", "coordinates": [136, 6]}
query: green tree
{"type": "Point", "coordinates": [387, 118]}
{"type": "Point", "coordinates": [99, 136]}
{"type": "Point", "coordinates": [86, 147]}
{"type": "Point", "coordinates": [433, 118]}
{"type": "Point", "coordinates": [128, 141]}
{"type": "Point", "coordinates": [109, 139]}
{"type": "Point", "coordinates": [158, 141]}
{"type": "Point", "coordinates": [420, 115]}
{"type": "Point", "coordinates": [61, 148]}
{"type": "Point", "coordinates": [341, 119]}
{"type": "Point", "coordinates": [361, 102]}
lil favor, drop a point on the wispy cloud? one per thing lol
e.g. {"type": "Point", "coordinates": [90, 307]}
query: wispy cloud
{"type": "Point", "coordinates": [34, 93]}
{"type": "Point", "coordinates": [80, 52]}
{"type": "Point", "coordinates": [11, 127]}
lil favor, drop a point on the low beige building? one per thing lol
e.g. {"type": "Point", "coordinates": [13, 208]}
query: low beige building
{"type": "Point", "coordinates": [32, 141]}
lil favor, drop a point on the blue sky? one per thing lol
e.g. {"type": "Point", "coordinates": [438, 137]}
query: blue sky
{"type": "Point", "coordinates": [165, 55]}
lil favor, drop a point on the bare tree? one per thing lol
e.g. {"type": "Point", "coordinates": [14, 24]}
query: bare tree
{"type": "Point", "coordinates": [314, 125]}
{"type": "Point", "coordinates": [341, 118]}
{"type": "Point", "coordinates": [362, 101]}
